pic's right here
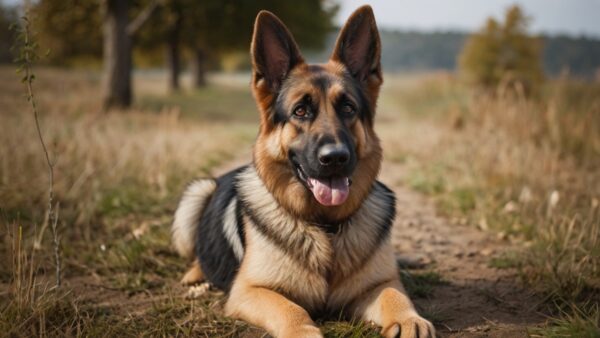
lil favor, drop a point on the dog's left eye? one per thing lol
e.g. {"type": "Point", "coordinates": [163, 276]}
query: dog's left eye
{"type": "Point", "coordinates": [301, 112]}
{"type": "Point", "coordinates": [348, 110]}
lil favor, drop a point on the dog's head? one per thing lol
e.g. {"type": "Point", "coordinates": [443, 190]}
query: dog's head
{"type": "Point", "coordinates": [317, 151]}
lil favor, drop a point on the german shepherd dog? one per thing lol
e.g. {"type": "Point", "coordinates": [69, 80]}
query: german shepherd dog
{"type": "Point", "coordinates": [304, 230]}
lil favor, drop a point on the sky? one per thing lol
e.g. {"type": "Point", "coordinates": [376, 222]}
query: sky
{"type": "Point", "coordinates": [572, 17]}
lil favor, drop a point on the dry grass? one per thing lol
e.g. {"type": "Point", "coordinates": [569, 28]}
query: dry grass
{"type": "Point", "coordinates": [528, 169]}
{"type": "Point", "coordinates": [118, 179]}
{"type": "Point", "coordinates": [29, 306]}
{"type": "Point", "coordinates": [106, 164]}
{"type": "Point", "coordinates": [577, 321]}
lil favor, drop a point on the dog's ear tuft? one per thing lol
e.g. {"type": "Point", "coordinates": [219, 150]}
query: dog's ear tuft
{"type": "Point", "coordinates": [274, 52]}
{"type": "Point", "coordinates": [358, 46]}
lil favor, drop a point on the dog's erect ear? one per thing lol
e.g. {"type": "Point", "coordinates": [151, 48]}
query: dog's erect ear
{"type": "Point", "coordinates": [274, 51]}
{"type": "Point", "coordinates": [358, 46]}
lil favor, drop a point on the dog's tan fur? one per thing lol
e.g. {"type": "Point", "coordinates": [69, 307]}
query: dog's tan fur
{"type": "Point", "coordinates": [193, 275]}
{"type": "Point", "coordinates": [290, 267]}
{"type": "Point", "coordinates": [348, 271]}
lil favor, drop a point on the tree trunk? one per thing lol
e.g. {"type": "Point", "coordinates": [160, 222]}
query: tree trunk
{"type": "Point", "coordinates": [173, 53]}
{"type": "Point", "coordinates": [117, 55]}
{"type": "Point", "coordinates": [199, 68]}
{"type": "Point", "coordinates": [173, 64]}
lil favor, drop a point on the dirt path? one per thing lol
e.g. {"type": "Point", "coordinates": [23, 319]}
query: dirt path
{"type": "Point", "coordinates": [474, 300]}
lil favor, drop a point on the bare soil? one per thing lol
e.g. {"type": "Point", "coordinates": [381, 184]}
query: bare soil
{"type": "Point", "coordinates": [475, 300]}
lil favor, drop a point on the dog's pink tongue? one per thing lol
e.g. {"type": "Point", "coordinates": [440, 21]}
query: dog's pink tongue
{"type": "Point", "coordinates": [330, 191]}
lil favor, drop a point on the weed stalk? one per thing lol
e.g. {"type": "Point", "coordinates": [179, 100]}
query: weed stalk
{"type": "Point", "coordinates": [27, 56]}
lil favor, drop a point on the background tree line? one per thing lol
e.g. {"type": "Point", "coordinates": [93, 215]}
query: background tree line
{"type": "Point", "coordinates": [199, 35]}
{"type": "Point", "coordinates": [421, 51]}
{"type": "Point", "coordinates": [111, 32]}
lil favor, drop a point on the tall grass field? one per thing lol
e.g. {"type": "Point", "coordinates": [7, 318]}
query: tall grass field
{"type": "Point", "coordinates": [526, 169]}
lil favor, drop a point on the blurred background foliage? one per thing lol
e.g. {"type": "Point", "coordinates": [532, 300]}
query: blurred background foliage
{"type": "Point", "coordinates": [72, 30]}
{"type": "Point", "coordinates": [502, 52]}
{"type": "Point", "coordinates": [206, 35]}
{"type": "Point", "coordinates": [212, 35]}
{"type": "Point", "coordinates": [8, 17]}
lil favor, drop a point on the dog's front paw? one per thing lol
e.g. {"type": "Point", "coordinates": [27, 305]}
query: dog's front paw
{"type": "Point", "coordinates": [303, 331]}
{"type": "Point", "coordinates": [413, 326]}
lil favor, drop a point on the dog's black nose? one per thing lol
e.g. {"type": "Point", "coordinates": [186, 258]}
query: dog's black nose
{"type": "Point", "coordinates": [334, 155]}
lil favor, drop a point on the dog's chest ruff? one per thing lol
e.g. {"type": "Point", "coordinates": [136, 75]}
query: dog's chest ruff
{"type": "Point", "coordinates": [305, 250]}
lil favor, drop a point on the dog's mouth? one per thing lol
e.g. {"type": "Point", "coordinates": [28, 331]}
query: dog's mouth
{"type": "Point", "coordinates": [329, 191]}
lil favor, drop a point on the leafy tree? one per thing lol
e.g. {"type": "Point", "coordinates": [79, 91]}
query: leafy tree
{"type": "Point", "coordinates": [75, 29]}
{"type": "Point", "coordinates": [503, 53]}
{"type": "Point", "coordinates": [68, 28]}
{"type": "Point", "coordinates": [209, 29]}
{"type": "Point", "coordinates": [8, 18]}
{"type": "Point", "coordinates": [118, 31]}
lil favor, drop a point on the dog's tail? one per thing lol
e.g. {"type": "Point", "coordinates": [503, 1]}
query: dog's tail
{"type": "Point", "coordinates": [188, 214]}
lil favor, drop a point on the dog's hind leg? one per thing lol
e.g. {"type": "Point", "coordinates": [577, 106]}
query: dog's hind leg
{"type": "Point", "coordinates": [194, 275]}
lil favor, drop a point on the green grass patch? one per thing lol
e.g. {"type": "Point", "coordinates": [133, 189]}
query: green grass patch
{"type": "Point", "coordinates": [461, 200]}
{"type": "Point", "coordinates": [421, 284]}
{"type": "Point", "coordinates": [396, 157]}
{"type": "Point", "coordinates": [128, 263]}
{"type": "Point", "coordinates": [433, 96]}
{"type": "Point", "coordinates": [137, 196]}
{"type": "Point", "coordinates": [129, 198]}
{"type": "Point", "coordinates": [343, 329]}
{"type": "Point", "coordinates": [577, 322]}
{"type": "Point", "coordinates": [137, 265]}
{"type": "Point", "coordinates": [507, 260]}
{"type": "Point", "coordinates": [214, 103]}
{"type": "Point", "coordinates": [564, 259]}
{"type": "Point", "coordinates": [427, 183]}
{"type": "Point", "coordinates": [452, 199]}
{"type": "Point", "coordinates": [435, 315]}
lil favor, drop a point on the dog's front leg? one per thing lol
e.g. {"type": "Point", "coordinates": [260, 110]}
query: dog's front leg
{"type": "Point", "coordinates": [271, 311]}
{"type": "Point", "coordinates": [389, 307]}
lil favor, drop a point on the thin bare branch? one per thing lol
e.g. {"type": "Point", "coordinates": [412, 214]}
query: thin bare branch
{"type": "Point", "coordinates": [144, 15]}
